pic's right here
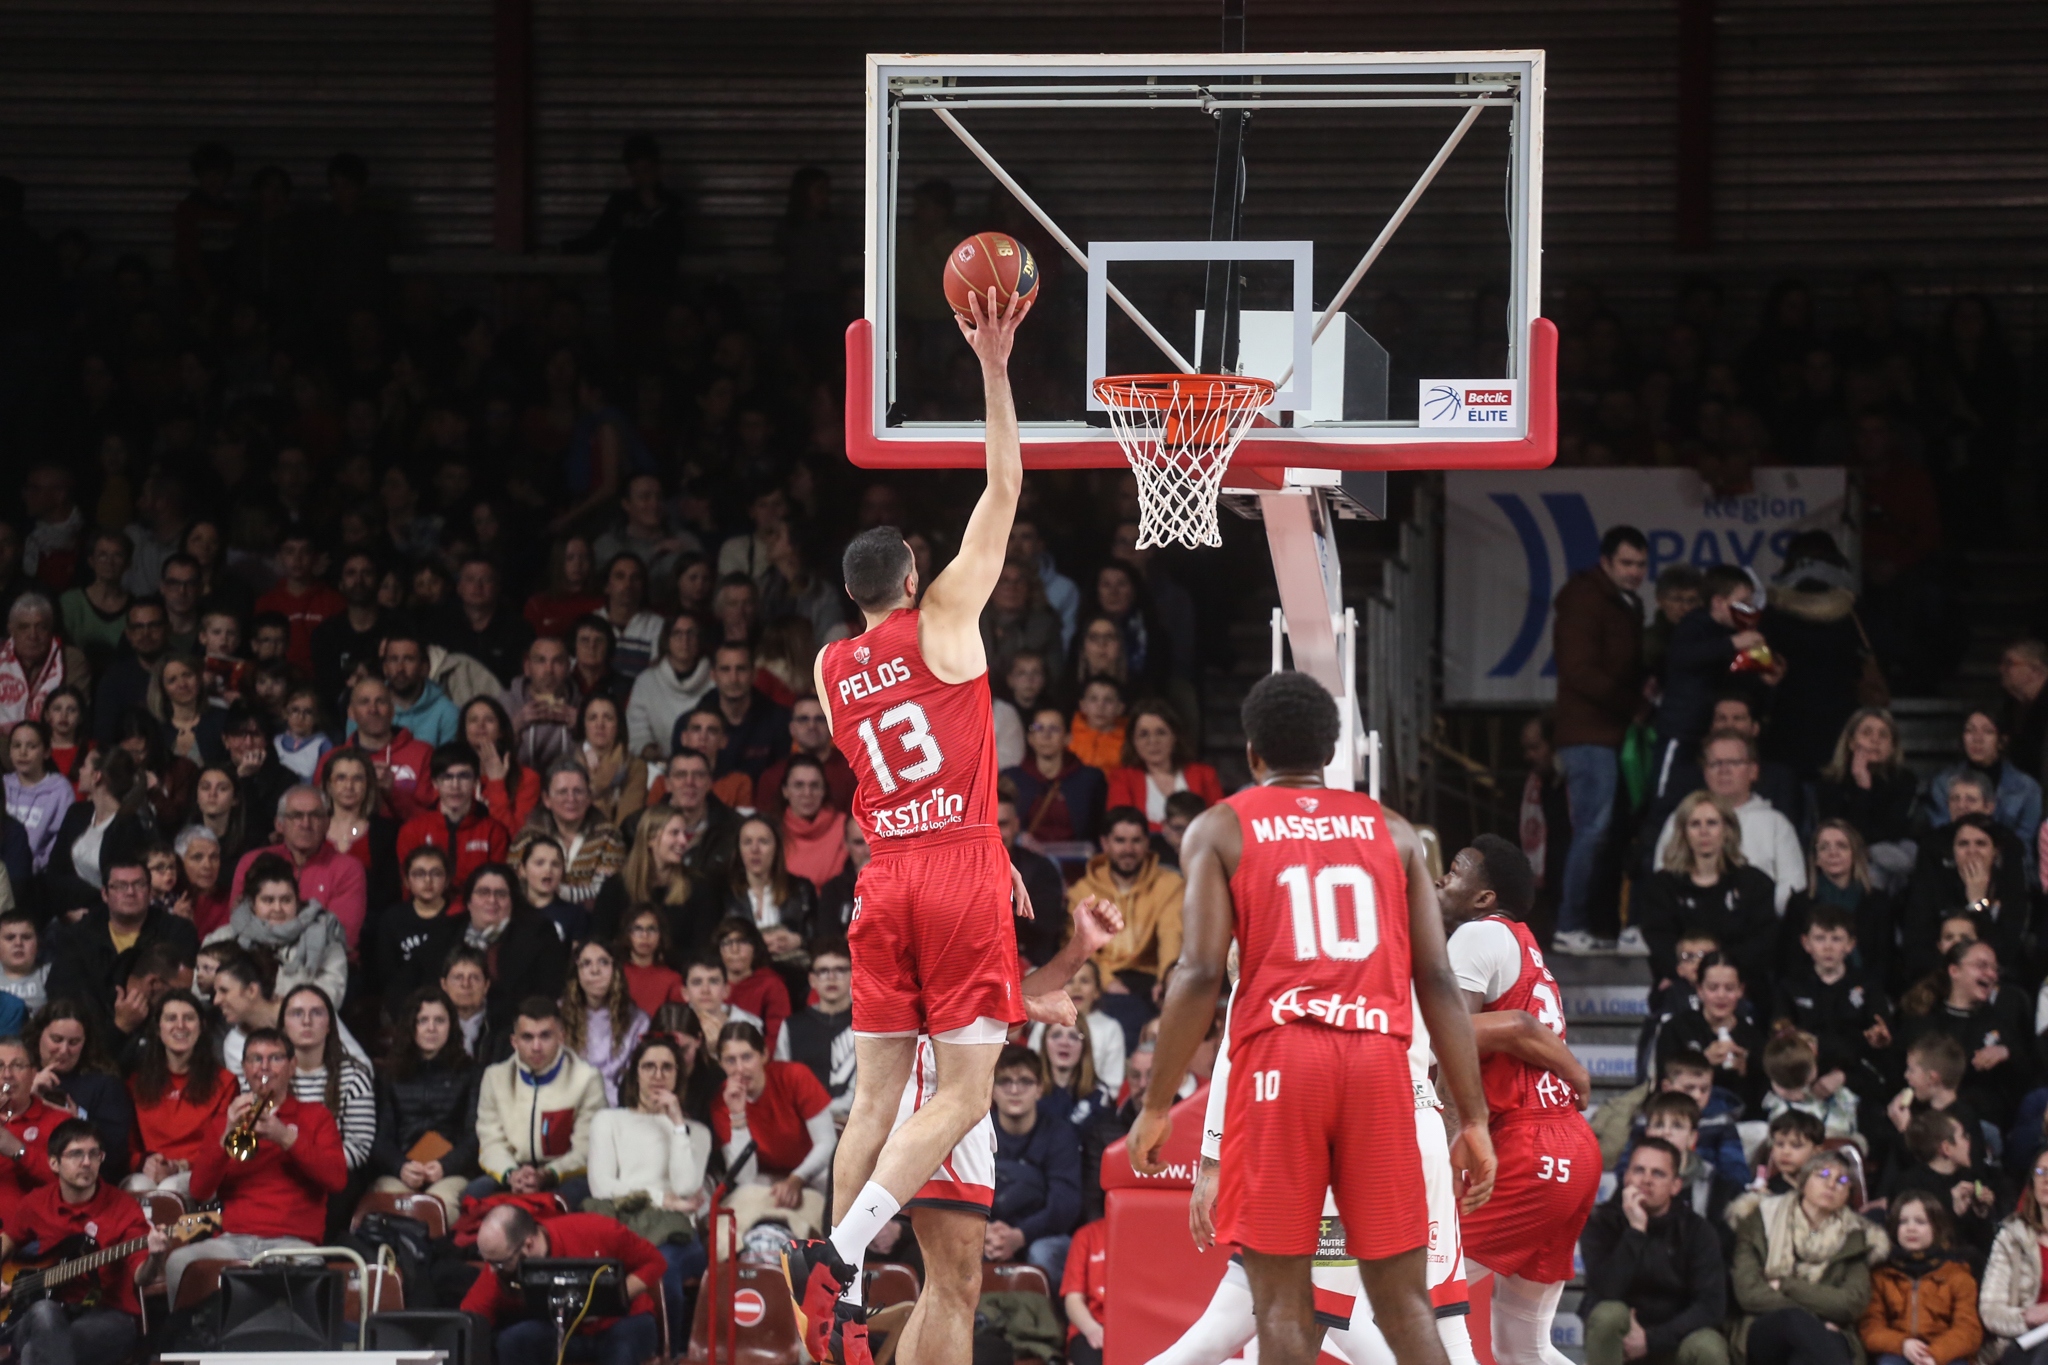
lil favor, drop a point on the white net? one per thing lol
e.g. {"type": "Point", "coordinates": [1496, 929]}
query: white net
{"type": "Point", "coordinates": [1179, 430]}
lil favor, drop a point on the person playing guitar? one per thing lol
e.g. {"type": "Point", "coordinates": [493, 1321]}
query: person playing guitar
{"type": "Point", "coordinates": [96, 1315]}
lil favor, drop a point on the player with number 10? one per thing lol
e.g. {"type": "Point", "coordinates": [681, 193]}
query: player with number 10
{"type": "Point", "coordinates": [1339, 945]}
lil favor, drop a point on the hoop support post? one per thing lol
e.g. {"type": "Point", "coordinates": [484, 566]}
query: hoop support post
{"type": "Point", "coordinates": [1003, 177]}
{"type": "Point", "coordinates": [1313, 619]}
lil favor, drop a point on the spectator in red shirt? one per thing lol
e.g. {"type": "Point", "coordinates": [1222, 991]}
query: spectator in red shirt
{"type": "Point", "coordinates": [180, 1093]}
{"type": "Point", "coordinates": [301, 598]}
{"type": "Point", "coordinates": [1157, 762]}
{"type": "Point", "coordinates": [809, 733]}
{"type": "Point", "coordinates": [457, 824]}
{"type": "Point", "coordinates": [25, 1127]}
{"type": "Point", "coordinates": [774, 1123]}
{"type": "Point", "coordinates": [325, 874]}
{"type": "Point", "coordinates": [78, 1204]}
{"type": "Point", "coordinates": [1084, 1291]}
{"type": "Point", "coordinates": [753, 984]}
{"type": "Point", "coordinates": [509, 1234]}
{"type": "Point", "coordinates": [284, 1186]}
{"type": "Point", "coordinates": [506, 786]}
{"type": "Point", "coordinates": [399, 760]}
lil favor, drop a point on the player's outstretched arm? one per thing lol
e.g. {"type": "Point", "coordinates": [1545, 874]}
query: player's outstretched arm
{"type": "Point", "coordinates": [1520, 1035]}
{"type": "Point", "coordinates": [954, 600]}
{"type": "Point", "coordinates": [1450, 1027]}
{"type": "Point", "coordinates": [1209, 853]}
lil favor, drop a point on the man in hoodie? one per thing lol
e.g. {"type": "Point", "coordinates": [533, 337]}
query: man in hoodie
{"type": "Point", "coordinates": [1127, 872]}
{"type": "Point", "coordinates": [1656, 1289]}
{"type": "Point", "coordinates": [668, 691]}
{"type": "Point", "coordinates": [1769, 843]}
{"type": "Point", "coordinates": [398, 760]}
{"type": "Point", "coordinates": [1598, 638]}
{"type": "Point", "coordinates": [418, 703]}
{"type": "Point", "coordinates": [534, 1111]}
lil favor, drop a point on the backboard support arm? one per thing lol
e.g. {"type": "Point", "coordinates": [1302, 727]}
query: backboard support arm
{"type": "Point", "coordinates": [1312, 619]}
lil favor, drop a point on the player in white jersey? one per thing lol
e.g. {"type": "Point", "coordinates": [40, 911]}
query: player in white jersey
{"type": "Point", "coordinates": [949, 1213]}
{"type": "Point", "coordinates": [1227, 1326]}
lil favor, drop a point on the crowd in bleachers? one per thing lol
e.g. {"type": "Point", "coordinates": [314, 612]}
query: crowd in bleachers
{"type": "Point", "coordinates": [409, 761]}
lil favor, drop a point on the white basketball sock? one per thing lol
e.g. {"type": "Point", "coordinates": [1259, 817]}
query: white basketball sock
{"type": "Point", "coordinates": [874, 1207]}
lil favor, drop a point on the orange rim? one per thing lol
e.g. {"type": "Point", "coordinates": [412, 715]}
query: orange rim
{"type": "Point", "coordinates": [1204, 390]}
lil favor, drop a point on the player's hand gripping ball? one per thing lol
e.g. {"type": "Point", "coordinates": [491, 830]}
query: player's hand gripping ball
{"type": "Point", "coordinates": [990, 260]}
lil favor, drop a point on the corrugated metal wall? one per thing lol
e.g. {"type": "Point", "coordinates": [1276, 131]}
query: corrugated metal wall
{"type": "Point", "coordinates": [1900, 133]}
{"type": "Point", "coordinates": [102, 101]}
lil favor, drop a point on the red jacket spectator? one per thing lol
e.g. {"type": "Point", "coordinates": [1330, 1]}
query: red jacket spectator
{"type": "Point", "coordinates": [330, 876]}
{"type": "Point", "coordinates": [1087, 1272]}
{"type": "Point", "coordinates": [110, 1217]}
{"type": "Point", "coordinates": [479, 839]}
{"type": "Point", "coordinates": [277, 1193]}
{"type": "Point", "coordinates": [762, 994]}
{"type": "Point", "coordinates": [576, 1236]}
{"type": "Point", "coordinates": [18, 1178]}
{"type": "Point", "coordinates": [510, 809]}
{"type": "Point", "coordinates": [653, 986]}
{"type": "Point", "coordinates": [791, 1097]}
{"type": "Point", "coordinates": [412, 791]}
{"type": "Point", "coordinates": [1127, 787]}
{"type": "Point", "coordinates": [176, 1127]}
{"type": "Point", "coordinates": [304, 610]}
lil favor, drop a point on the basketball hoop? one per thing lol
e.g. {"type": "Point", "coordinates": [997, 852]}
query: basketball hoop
{"type": "Point", "coordinates": [1178, 431]}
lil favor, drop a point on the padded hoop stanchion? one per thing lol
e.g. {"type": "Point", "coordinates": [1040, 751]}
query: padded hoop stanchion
{"type": "Point", "coordinates": [1534, 451]}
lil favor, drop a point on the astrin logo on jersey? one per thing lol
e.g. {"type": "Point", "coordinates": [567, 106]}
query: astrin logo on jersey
{"type": "Point", "coordinates": [1331, 1009]}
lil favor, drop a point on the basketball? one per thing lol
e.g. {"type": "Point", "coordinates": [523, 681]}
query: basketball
{"type": "Point", "coordinates": [990, 259]}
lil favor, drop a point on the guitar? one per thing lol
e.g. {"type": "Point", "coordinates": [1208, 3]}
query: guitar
{"type": "Point", "coordinates": [30, 1281]}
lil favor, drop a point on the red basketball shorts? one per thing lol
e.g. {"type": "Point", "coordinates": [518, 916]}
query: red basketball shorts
{"type": "Point", "coordinates": [1549, 1172]}
{"type": "Point", "coordinates": [1316, 1109]}
{"type": "Point", "coordinates": [933, 944]}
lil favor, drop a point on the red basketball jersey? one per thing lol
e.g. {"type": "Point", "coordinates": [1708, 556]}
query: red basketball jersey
{"type": "Point", "coordinates": [924, 750]}
{"type": "Point", "coordinates": [1322, 914]}
{"type": "Point", "coordinates": [1513, 1085]}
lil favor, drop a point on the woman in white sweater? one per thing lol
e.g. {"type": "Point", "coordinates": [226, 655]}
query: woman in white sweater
{"type": "Point", "coordinates": [647, 1164]}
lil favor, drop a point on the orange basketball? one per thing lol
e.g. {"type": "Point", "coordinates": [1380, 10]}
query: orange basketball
{"type": "Point", "coordinates": [990, 259]}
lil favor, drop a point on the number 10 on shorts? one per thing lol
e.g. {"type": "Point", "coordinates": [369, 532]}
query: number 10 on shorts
{"type": "Point", "coordinates": [1265, 1086]}
{"type": "Point", "coordinates": [1554, 1168]}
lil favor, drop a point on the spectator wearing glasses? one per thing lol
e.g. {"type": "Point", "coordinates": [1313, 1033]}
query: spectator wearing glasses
{"type": "Point", "coordinates": [124, 682]}
{"type": "Point", "coordinates": [325, 875]}
{"type": "Point", "coordinates": [1801, 1276]}
{"type": "Point", "coordinates": [668, 689]}
{"type": "Point", "coordinates": [96, 1316]}
{"type": "Point", "coordinates": [181, 589]}
{"type": "Point", "coordinates": [1060, 799]}
{"type": "Point", "coordinates": [1769, 843]}
{"type": "Point", "coordinates": [86, 964]}
{"type": "Point", "coordinates": [457, 825]}
{"type": "Point", "coordinates": [1156, 763]}
{"type": "Point", "coordinates": [810, 734]}
{"type": "Point", "coordinates": [820, 1035]}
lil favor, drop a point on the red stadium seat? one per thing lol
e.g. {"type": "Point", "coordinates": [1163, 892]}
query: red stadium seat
{"type": "Point", "coordinates": [1014, 1279]}
{"type": "Point", "coordinates": [758, 1314]}
{"type": "Point", "coordinates": [421, 1208]}
{"type": "Point", "coordinates": [891, 1283]}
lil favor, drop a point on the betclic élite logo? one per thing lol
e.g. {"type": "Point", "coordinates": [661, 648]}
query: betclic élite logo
{"type": "Point", "coordinates": [1480, 406]}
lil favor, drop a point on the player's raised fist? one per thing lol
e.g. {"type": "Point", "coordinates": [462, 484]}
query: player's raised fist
{"type": "Point", "coordinates": [1096, 922]}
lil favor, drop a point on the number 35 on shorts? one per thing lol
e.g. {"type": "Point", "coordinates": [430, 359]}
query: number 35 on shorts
{"type": "Point", "coordinates": [1554, 1168]}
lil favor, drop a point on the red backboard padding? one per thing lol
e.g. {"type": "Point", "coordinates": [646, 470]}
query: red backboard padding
{"type": "Point", "coordinates": [1535, 451]}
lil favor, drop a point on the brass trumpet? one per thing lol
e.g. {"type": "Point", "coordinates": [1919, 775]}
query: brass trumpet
{"type": "Point", "coordinates": [241, 1139]}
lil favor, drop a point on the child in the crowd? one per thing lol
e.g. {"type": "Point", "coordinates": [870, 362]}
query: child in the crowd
{"type": "Point", "coordinates": [211, 955]}
{"type": "Point", "coordinates": [1181, 810]}
{"type": "Point", "coordinates": [1673, 1116]}
{"type": "Point", "coordinates": [1677, 995]}
{"type": "Point", "coordinates": [1924, 1294]}
{"type": "Point", "coordinates": [1083, 1291]}
{"type": "Point", "coordinates": [270, 638]}
{"type": "Point", "coordinates": [20, 975]}
{"type": "Point", "coordinates": [166, 880]}
{"type": "Point", "coordinates": [226, 673]}
{"type": "Point", "coordinates": [1790, 1062]}
{"type": "Point", "coordinates": [1941, 1148]}
{"type": "Point", "coordinates": [1719, 1027]}
{"type": "Point", "coordinates": [302, 743]}
{"type": "Point", "coordinates": [1845, 1011]}
{"type": "Point", "coordinates": [1794, 1139]}
{"type": "Point", "coordinates": [1716, 1139]}
{"type": "Point", "coordinates": [1934, 1073]}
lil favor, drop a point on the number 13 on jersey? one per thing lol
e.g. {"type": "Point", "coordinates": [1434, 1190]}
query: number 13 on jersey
{"type": "Point", "coordinates": [916, 738]}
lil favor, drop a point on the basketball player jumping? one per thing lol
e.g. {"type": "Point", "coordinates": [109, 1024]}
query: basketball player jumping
{"type": "Point", "coordinates": [1330, 902]}
{"type": "Point", "coordinates": [1549, 1158]}
{"type": "Point", "coordinates": [933, 945]}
